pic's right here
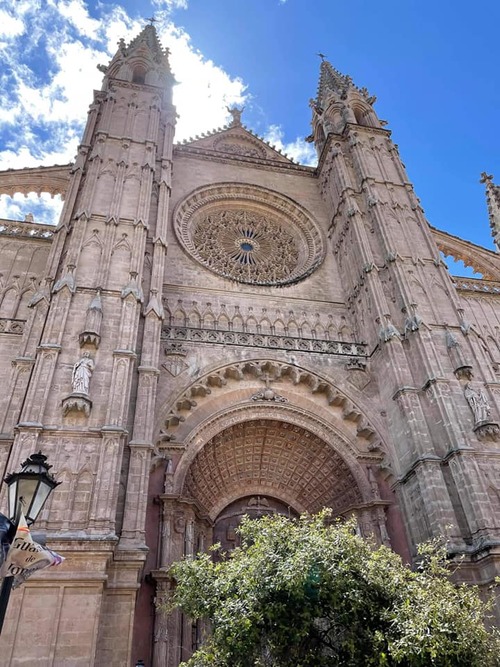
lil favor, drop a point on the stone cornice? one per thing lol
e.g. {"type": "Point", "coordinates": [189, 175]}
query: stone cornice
{"type": "Point", "coordinates": [256, 163]}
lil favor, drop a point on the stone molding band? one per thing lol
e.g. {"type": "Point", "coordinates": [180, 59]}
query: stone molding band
{"type": "Point", "coordinates": [268, 341]}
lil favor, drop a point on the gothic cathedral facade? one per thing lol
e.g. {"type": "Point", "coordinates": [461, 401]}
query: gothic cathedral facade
{"type": "Point", "coordinates": [213, 330]}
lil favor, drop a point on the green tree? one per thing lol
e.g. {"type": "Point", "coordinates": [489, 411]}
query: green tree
{"type": "Point", "coordinates": [302, 593]}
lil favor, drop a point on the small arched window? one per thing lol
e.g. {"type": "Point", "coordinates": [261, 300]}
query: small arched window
{"type": "Point", "coordinates": [360, 116]}
{"type": "Point", "coordinates": [139, 75]}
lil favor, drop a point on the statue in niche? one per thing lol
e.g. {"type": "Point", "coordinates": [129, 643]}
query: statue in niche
{"type": "Point", "coordinates": [478, 402]}
{"type": "Point", "coordinates": [82, 372]}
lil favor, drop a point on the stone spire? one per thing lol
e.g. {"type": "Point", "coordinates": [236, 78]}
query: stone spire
{"type": "Point", "coordinates": [331, 81]}
{"type": "Point", "coordinates": [493, 201]}
{"type": "Point", "coordinates": [334, 83]}
{"type": "Point", "coordinates": [148, 37]}
{"type": "Point", "coordinates": [339, 102]}
{"type": "Point", "coordinates": [142, 61]}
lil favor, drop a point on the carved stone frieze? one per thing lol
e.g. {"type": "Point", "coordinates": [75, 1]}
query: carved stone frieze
{"type": "Point", "coordinates": [240, 148]}
{"type": "Point", "coordinates": [332, 325]}
{"type": "Point", "coordinates": [477, 287]}
{"type": "Point", "coordinates": [268, 341]}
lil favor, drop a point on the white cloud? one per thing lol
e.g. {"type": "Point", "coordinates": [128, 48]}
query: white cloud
{"type": "Point", "coordinates": [299, 149]}
{"type": "Point", "coordinates": [203, 86]}
{"type": "Point", "coordinates": [77, 14]}
{"type": "Point", "coordinates": [60, 103]}
{"type": "Point", "coordinates": [51, 58]}
{"type": "Point", "coordinates": [171, 4]}
{"type": "Point", "coordinates": [44, 208]}
{"type": "Point", "coordinates": [10, 26]}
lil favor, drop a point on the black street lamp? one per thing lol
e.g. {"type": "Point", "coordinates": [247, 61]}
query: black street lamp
{"type": "Point", "coordinates": [28, 491]}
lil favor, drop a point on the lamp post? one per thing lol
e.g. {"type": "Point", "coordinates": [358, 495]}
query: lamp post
{"type": "Point", "coordinates": [27, 491]}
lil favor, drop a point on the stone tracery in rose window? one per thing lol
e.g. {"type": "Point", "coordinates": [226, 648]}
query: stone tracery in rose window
{"type": "Point", "coordinates": [249, 234]}
{"type": "Point", "coordinates": [246, 246]}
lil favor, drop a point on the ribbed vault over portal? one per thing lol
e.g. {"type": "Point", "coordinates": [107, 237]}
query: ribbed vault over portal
{"type": "Point", "coordinates": [276, 458]}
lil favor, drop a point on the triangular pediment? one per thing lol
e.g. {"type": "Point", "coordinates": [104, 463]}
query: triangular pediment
{"type": "Point", "coordinates": [237, 142]}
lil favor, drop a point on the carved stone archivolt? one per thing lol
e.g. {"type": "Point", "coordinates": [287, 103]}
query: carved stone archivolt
{"type": "Point", "coordinates": [204, 386]}
{"type": "Point", "coordinates": [249, 234]}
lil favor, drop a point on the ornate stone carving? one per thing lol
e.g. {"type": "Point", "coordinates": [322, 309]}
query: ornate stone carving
{"type": "Point", "coordinates": [10, 326]}
{"type": "Point", "coordinates": [235, 115]}
{"type": "Point", "coordinates": [480, 259]}
{"type": "Point", "coordinates": [175, 363]}
{"type": "Point", "coordinates": [487, 431]}
{"type": "Point", "coordinates": [275, 452]}
{"type": "Point", "coordinates": [478, 402]}
{"type": "Point", "coordinates": [413, 319]}
{"type": "Point", "coordinates": [26, 229]}
{"type": "Point", "coordinates": [356, 364]}
{"type": "Point", "coordinates": [249, 234]}
{"type": "Point", "coordinates": [66, 280]}
{"type": "Point", "coordinates": [387, 330]}
{"type": "Point", "coordinates": [77, 403]}
{"type": "Point", "coordinates": [461, 367]}
{"type": "Point", "coordinates": [477, 286]}
{"type": "Point", "coordinates": [268, 394]}
{"type": "Point", "coordinates": [247, 247]}
{"type": "Point", "coordinates": [202, 387]}
{"type": "Point", "coordinates": [92, 333]}
{"type": "Point", "coordinates": [264, 341]}
{"type": "Point", "coordinates": [238, 149]}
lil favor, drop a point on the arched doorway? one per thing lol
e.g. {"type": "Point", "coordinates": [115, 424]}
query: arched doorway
{"type": "Point", "coordinates": [266, 462]}
{"type": "Point", "coordinates": [225, 525]}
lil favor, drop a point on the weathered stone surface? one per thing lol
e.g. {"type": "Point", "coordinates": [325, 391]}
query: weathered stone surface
{"type": "Point", "coordinates": [347, 369]}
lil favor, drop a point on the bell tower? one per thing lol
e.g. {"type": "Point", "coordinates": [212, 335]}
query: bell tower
{"type": "Point", "coordinates": [404, 304]}
{"type": "Point", "coordinates": [92, 342]}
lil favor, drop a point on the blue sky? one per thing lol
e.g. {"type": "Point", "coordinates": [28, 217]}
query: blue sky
{"type": "Point", "coordinates": [432, 65]}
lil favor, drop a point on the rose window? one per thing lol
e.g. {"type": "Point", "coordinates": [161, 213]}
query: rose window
{"type": "Point", "coordinates": [247, 247]}
{"type": "Point", "coordinates": [251, 242]}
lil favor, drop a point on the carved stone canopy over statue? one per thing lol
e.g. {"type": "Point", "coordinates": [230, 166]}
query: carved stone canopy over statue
{"type": "Point", "coordinates": [478, 402]}
{"type": "Point", "coordinates": [82, 372]}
